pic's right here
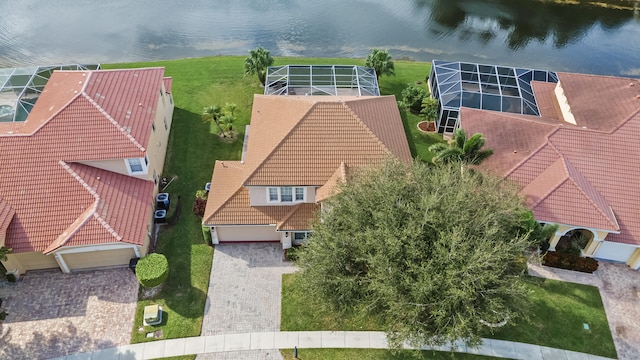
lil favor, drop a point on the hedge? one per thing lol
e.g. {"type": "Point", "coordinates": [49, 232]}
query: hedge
{"type": "Point", "coordinates": [152, 270]}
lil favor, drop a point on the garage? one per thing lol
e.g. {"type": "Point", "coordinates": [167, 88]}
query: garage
{"type": "Point", "coordinates": [98, 258]}
{"type": "Point", "coordinates": [614, 251]}
{"type": "Point", "coordinates": [247, 233]}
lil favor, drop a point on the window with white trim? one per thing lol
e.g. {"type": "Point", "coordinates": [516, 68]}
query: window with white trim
{"type": "Point", "coordinates": [137, 165]}
{"type": "Point", "coordinates": [285, 194]}
{"type": "Point", "coordinates": [273, 194]}
{"type": "Point", "coordinates": [300, 238]}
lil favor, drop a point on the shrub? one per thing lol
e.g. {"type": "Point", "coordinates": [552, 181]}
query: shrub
{"type": "Point", "coordinates": [412, 97]}
{"type": "Point", "coordinates": [152, 270]}
{"type": "Point", "coordinates": [570, 262]}
{"type": "Point", "coordinates": [11, 277]}
{"type": "Point", "coordinates": [199, 206]}
{"type": "Point", "coordinates": [206, 234]}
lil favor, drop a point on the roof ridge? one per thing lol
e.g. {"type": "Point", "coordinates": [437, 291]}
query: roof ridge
{"type": "Point", "coordinates": [273, 150]}
{"type": "Point", "coordinates": [90, 212]}
{"type": "Point", "coordinates": [114, 122]}
{"type": "Point", "coordinates": [566, 164]}
{"type": "Point", "coordinates": [45, 122]}
{"type": "Point", "coordinates": [553, 188]}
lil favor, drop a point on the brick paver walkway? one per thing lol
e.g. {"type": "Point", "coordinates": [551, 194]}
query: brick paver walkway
{"type": "Point", "coordinates": [245, 293]}
{"type": "Point", "coordinates": [54, 314]}
{"type": "Point", "coordinates": [620, 291]}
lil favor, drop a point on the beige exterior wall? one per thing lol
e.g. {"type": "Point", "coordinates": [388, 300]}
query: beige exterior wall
{"type": "Point", "coordinates": [634, 260]}
{"type": "Point", "coordinates": [157, 148]}
{"type": "Point", "coordinates": [29, 261]}
{"type": "Point", "coordinates": [258, 196]}
{"type": "Point", "coordinates": [247, 233]}
{"type": "Point", "coordinates": [94, 259]}
{"type": "Point", "coordinates": [564, 104]}
{"type": "Point", "coordinates": [115, 165]}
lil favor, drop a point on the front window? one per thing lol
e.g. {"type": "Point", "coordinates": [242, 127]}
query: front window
{"type": "Point", "coordinates": [273, 194]}
{"type": "Point", "coordinates": [285, 194]}
{"type": "Point", "coordinates": [299, 238]}
{"type": "Point", "coordinates": [135, 165]}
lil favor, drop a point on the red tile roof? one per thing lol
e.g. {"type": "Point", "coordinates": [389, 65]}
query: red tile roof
{"type": "Point", "coordinates": [80, 117]}
{"type": "Point", "coordinates": [570, 174]}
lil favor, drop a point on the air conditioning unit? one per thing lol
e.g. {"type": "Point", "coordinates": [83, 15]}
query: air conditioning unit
{"type": "Point", "coordinates": [162, 201]}
{"type": "Point", "coordinates": [160, 217]}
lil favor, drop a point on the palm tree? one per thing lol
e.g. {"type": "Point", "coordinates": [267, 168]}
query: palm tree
{"type": "Point", "coordinates": [461, 149]}
{"type": "Point", "coordinates": [226, 124]}
{"type": "Point", "coordinates": [230, 108]}
{"type": "Point", "coordinates": [257, 63]}
{"type": "Point", "coordinates": [380, 61]}
{"type": "Point", "coordinates": [213, 113]}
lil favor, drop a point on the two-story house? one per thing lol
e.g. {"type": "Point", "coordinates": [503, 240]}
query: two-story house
{"type": "Point", "coordinates": [298, 149]}
{"type": "Point", "coordinates": [79, 175]}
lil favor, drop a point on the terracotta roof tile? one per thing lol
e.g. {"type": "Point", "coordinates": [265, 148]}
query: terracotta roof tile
{"type": "Point", "coordinates": [299, 217]}
{"type": "Point", "coordinates": [511, 137]}
{"type": "Point", "coordinates": [546, 100]}
{"type": "Point", "coordinates": [6, 215]}
{"type": "Point", "coordinates": [302, 140]}
{"type": "Point", "coordinates": [330, 187]}
{"type": "Point", "coordinates": [238, 211]}
{"type": "Point", "coordinates": [168, 82]}
{"type": "Point", "coordinates": [329, 133]}
{"type": "Point", "coordinates": [600, 102]}
{"type": "Point", "coordinates": [50, 192]}
{"type": "Point", "coordinates": [598, 185]}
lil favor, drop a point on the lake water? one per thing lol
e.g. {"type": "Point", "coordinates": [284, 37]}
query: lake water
{"type": "Point", "coordinates": [524, 33]}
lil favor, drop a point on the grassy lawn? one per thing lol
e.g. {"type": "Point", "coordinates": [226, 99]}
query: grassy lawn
{"type": "Point", "coordinates": [192, 151]}
{"type": "Point", "coordinates": [375, 354]}
{"type": "Point", "coordinates": [557, 316]}
{"type": "Point", "coordinates": [558, 312]}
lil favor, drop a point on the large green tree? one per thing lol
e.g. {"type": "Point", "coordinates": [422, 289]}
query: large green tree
{"type": "Point", "coordinates": [381, 61]}
{"type": "Point", "coordinates": [461, 148]}
{"type": "Point", "coordinates": [257, 63]}
{"type": "Point", "coordinates": [432, 252]}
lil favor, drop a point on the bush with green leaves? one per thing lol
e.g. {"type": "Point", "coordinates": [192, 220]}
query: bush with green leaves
{"type": "Point", "coordinates": [152, 270]}
{"type": "Point", "coordinates": [412, 96]}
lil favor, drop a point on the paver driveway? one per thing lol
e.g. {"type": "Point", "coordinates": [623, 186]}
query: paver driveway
{"type": "Point", "coordinates": [245, 293]}
{"type": "Point", "coordinates": [53, 314]}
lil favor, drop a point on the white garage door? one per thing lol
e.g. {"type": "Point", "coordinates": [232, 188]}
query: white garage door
{"type": "Point", "coordinates": [614, 251]}
{"type": "Point", "coordinates": [247, 233]}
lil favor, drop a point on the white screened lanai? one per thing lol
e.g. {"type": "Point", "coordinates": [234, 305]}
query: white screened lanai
{"type": "Point", "coordinates": [336, 80]}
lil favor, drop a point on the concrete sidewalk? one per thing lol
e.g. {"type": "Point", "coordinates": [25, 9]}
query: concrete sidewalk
{"type": "Point", "coordinates": [312, 340]}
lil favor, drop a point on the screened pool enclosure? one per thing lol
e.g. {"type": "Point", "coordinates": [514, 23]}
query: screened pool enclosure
{"type": "Point", "coordinates": [479, 86]}
{"type": "Point", "coordinates": [336, 80]}
{"type": "Point", "coordinates": [21, 87]}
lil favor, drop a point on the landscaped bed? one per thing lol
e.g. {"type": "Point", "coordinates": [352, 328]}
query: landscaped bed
{"type": "Point", "coordinates": [558, 312]}
{"type": "Point", "coordinates": [375, 354]}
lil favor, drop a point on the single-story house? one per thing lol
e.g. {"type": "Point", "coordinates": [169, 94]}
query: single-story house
{"type": "Point", "coordinates": [79, 175]}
